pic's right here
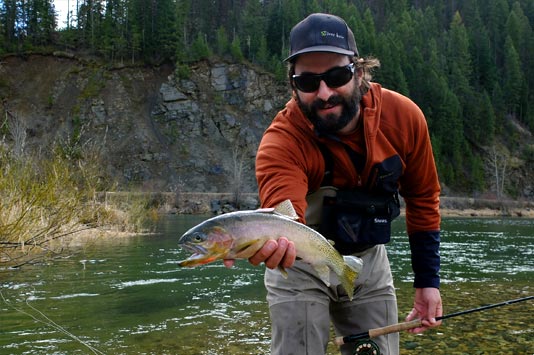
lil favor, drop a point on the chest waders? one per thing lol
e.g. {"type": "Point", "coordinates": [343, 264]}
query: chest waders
{"type": "Point", "coordinates": [354, 219]}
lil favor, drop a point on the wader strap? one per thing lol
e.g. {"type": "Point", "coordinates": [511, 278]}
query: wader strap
{"type": "Point", "coordinates": [328, 176]}
{"type": "Point", "coordinates": [358, 160]}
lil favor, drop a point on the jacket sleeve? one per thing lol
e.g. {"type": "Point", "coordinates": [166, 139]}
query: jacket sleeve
{"type": "Point", "coordinates": [425, 258]}
{"type": "Point", "coordinates": [420, 189]}
{"type": "Point", "coordinates": [282, 169]}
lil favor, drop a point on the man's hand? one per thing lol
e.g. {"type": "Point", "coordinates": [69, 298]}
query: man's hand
{"type": "Point", "coordinates": [427, 306]}
{"type": "Point", "coordinates": [274, 253]}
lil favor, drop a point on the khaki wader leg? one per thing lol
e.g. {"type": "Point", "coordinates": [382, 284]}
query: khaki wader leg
{"type": "Point", "coordinates": [368, 316]}
{"type": "Point", "coordinates": [302, 307]}
{"type": "Point", "coordinates": [292, 331]}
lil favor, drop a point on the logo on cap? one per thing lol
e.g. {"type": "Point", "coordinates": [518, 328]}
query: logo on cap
{"type": "Point", "coordinates": [327, 34]}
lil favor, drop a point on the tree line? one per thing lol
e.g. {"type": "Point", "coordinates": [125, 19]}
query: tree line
{"type": "Point", "coordinates": [468, 64]}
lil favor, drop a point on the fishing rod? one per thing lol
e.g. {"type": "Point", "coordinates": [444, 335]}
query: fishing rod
{"type": "Point", "coordinates": [395, 328]}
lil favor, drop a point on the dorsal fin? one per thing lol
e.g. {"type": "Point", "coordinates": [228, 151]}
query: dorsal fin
{"type": "Point", "coordinates": [265, 210]}
{"type": "Point", "coordinates": [285, 208]}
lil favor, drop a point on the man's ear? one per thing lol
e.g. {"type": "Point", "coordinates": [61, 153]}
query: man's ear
{"type": "Point", "coordinates": [359, 72]}
{"type": "Point", "coordinates": [359, 76]}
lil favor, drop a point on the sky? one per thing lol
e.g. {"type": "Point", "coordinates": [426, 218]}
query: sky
{"type": "Point", "coordinates": [62, 7]}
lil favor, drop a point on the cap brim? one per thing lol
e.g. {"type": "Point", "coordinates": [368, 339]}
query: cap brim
{"type": "Point", "coordinates": [330, 49]}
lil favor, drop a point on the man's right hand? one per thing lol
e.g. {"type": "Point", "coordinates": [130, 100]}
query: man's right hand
{"type": "Point", "coordinates": [274, 253]}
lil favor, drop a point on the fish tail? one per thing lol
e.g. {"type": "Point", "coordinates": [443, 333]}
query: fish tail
{"type": "Point", "coordinates": [351, 270]}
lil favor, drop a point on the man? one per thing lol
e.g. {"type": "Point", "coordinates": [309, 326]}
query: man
{"type": "Point", "coordinates": [340, 151]}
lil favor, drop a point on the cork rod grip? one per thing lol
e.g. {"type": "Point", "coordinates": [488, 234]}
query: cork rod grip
{"type": "Point", "coordinates": [394, 328]}
{"type": "Point", "coordinates": [373, 333]}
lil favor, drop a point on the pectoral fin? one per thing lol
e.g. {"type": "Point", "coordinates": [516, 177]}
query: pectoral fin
{"type": "Point", "coordinates": [246, 249]}
{"type": "Point", "coordinates": [283, 271]}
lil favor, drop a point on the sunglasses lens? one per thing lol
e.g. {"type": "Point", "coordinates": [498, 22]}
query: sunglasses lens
{"type": "Point", "coordinates": [333, 78]}
{"type": "Point", "coordinates": [338, 77]}
{"type": "Point", "coordinates": [307, 83]}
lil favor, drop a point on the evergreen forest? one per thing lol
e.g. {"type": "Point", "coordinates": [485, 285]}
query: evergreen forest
{"type": "Point", "coordinates": [469, 64]}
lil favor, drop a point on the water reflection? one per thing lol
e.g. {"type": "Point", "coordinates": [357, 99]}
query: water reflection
{"type": "Point", "coordinates": [127, 296]}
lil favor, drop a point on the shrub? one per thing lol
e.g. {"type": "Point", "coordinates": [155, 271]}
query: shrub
{"type": "Point", "coordinates": [43, 200]}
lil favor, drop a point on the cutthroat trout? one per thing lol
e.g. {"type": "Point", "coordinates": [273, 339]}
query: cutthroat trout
{"type": "Point", "coordinates": [239, 235]}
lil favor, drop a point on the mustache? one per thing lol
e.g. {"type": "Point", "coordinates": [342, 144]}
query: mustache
{"type": "Point", "coordinates": [319, 104]}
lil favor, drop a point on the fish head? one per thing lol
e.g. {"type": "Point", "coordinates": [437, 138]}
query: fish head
{"type": "Point", "coordinates": [207, 243]}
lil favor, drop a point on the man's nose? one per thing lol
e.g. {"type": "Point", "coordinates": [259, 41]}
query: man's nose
{"type": "Point", "coordinates": [324, 92]}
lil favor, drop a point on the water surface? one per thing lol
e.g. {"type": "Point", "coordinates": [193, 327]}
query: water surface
{"type": "Point", "coordinates": [128, 296]}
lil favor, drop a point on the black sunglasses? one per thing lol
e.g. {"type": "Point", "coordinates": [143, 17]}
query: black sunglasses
{"type": "Point", "coordinates": [333, 78]}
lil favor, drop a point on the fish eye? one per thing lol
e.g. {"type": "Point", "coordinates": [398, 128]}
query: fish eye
{"type": "Point", "coordinates": [197, 237]}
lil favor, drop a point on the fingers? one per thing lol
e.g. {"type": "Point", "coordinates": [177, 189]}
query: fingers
{"type": "Point", "coordinates": [284, 255]}
{"type": "Point", "coordinates": [431, 323]}
{"type": "Point", "coordinates": [434, 309]}
{"type": "Point", "coordinates": [427, 306]}
{"type": "Point", "coordinates": [414, 314]}
{"type": "Point", "coordinates": [228, 263]}
{"type": "Point", "coordinates": [275, 253]}
{"type": "Point", "coordinates": [264, 253]}
{"type": "Point", "coordinates": [290, 256]}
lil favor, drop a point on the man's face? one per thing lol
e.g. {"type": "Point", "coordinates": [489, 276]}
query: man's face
{"type": "Point", "coordinates": [330, 109]}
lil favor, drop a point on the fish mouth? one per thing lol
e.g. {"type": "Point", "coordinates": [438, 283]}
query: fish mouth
{"type": "Point", "coordinates": [199, 259]}
{"type": "Point", "coordinates": [200, 255]}
{"type": "Point", "coordinates": [196, 249]}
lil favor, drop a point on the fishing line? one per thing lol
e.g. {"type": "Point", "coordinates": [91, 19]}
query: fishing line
{"type": "Point", "coordinates": [50, 323]}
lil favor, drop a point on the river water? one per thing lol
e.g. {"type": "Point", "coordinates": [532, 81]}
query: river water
{"type": "Point", "coordinates": [128, 296]}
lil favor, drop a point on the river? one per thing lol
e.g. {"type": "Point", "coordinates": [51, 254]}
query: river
{"type": "Point", "coordinates": [128, 296]}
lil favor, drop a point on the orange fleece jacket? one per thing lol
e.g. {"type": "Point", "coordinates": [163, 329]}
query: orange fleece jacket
{"type": "Point", "coordinates": [290, 165]}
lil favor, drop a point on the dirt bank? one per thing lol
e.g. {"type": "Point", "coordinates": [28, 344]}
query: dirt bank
{"type": "Point", "coordinates": [205, 203]}
{"type": "Point", "coordinates": [471, 207]}
{"type": "Point", "coordinates": [487, 212]}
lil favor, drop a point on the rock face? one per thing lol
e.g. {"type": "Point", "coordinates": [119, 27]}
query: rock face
{"type": "Point", "coordinates": [152, 129]}
{"type": "Point", "coordinates": [149, 127]}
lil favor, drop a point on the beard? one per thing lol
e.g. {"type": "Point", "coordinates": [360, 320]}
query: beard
{"type": "Point", "coordinates": [332, 123]}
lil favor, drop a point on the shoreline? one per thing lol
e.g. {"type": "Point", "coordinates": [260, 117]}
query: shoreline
{"type": "Point", "coordinates": [191, 203]}
{"type": "Point", "coordinates": [91, 236]}
{"type": "Point", "coordinates": [216, 203]}
{"type": "Point", "coordinates": [487, 212]}
{"type": "Point", "coordinates": [184, 203]}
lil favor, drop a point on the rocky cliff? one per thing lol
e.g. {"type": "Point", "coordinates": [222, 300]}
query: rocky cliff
{"type": "Point", "coordinates": [150, 128]}
{"type": "Point", "coordinates": [156, 130]}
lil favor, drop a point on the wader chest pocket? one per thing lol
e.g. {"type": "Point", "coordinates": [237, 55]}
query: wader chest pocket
{"type": "Point", "coordinates": [356, 220]}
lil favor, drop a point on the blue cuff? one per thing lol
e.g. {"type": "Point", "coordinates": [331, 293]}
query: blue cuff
{"type": "Point", "coordinates": [425, 258]}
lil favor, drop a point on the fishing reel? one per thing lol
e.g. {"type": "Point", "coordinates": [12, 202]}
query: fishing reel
{"type": "Point", "coordinates": [366, 347]}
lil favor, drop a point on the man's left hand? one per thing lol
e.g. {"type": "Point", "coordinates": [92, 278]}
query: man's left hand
{"type": "Point", "coordinates": [427, 306]}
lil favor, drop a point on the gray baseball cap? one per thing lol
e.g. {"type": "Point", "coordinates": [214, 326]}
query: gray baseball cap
{"type": "Point", "coordinates": [321, 33]}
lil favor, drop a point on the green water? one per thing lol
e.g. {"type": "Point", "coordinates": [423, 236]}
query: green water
{"type": "Point", "coordinates": [127, 296]}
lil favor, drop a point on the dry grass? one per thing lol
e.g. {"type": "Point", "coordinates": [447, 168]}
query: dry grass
{"type": "Point", "coordinates": [44, 200]}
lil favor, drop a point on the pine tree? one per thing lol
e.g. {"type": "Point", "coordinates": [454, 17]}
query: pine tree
{"type": "Point", "coordinates": [200, 48]}
{"type": "Point", "coordinates": [495, 14]}
{"type": "Point", "coordinates": [40, 21]}
{"type": "Point", "coordinates": [181, 25]}
{"type": "Point", "coordinates": [254, 27]}
{"type": "Point", "coordinates": [512, 79]}
{"type": "Point", "coordinates": [235, 49]}
{"type": "Point", "coordinates": [222, 45]}
{"type": "Point", "coordinates": [487, 122]}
